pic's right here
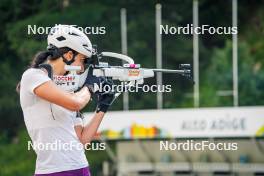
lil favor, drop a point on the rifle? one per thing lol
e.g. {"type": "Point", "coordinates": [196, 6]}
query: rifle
{"type": "Point", "coordinates": [129, 72]}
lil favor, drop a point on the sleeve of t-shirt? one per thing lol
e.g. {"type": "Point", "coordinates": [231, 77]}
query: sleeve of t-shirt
{"type": "Point", "coordinates": [33, 78]}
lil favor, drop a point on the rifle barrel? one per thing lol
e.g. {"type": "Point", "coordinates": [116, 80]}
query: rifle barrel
{"type": "Point", "coordinates": [171, 71]}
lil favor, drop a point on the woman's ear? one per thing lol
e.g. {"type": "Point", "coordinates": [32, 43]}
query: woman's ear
{"type": "Point", "coordinates": [68, 55]}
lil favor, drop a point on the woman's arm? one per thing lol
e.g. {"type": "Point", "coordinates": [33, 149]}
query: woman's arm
{"type": "Point", "coordinates": [72, 101]}
{"type": "Point", "coordinates": [86, 133]}
{"type": "Point", "coordinates": [104, 101]}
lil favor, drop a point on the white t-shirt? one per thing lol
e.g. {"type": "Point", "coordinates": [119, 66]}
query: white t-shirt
{"type": "Point", "coordinates": [50, 127]}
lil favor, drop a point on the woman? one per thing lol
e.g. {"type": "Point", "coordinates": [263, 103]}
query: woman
{"type": "Point", "coordinates": [50, 112]}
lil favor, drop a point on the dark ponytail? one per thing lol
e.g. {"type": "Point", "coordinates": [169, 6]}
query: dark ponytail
{"type": "Point", "coordinates": [52, 53]}
{"type": "Point", "coordinates": [40, 58]}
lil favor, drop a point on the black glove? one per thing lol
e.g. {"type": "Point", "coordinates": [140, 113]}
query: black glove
{"type": "Point", "coordinates": [104, 99]}
{"type": "Point", "coordinates": [104, 102]}
{"type": "Point", "coordinates": [93, 82]}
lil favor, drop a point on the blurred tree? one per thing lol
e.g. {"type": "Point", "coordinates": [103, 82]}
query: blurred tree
{"type": "Point", "coordinates": [219, 77]}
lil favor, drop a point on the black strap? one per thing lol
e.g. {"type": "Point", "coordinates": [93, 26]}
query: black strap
{"type": "Point", "coordinates": [48, 68]}
{"type": "Point", "coordinates": [70, 61]}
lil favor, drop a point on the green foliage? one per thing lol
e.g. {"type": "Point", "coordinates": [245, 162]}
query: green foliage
{"type": "Point", "coordinates": [219, 77]}
{"type": "Point", "coordinates": [15, 158]}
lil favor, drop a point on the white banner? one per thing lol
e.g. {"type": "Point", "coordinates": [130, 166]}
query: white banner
{"type": "Point", "coordinates": [184, 123]}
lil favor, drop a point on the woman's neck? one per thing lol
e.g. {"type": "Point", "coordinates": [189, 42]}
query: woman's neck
{"type": "Point", "coordinates": [57, 67]}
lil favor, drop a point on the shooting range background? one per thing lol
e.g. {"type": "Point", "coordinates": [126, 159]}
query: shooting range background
{"type": "Point", "coordinates": [215, 58]}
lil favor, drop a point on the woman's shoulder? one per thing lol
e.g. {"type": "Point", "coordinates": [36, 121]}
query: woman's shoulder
{"type": "Point", "coordinates": [33, 71]}
{"type": "Point", "coordinates": [32, 78]}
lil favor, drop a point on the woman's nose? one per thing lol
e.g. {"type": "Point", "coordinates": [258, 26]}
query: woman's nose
{"type": "Point", "coordinates": [82, 68]}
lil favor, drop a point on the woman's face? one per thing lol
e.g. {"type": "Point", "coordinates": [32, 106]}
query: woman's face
{"type": "Point", "coordinates": [79, 60]}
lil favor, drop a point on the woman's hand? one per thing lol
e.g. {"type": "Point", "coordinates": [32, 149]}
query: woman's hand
{"type": "Point", "coordinates": [105, 101]}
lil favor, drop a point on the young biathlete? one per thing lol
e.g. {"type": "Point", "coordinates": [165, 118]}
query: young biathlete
{"type": "Point", "coordinates": [50, 112]}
